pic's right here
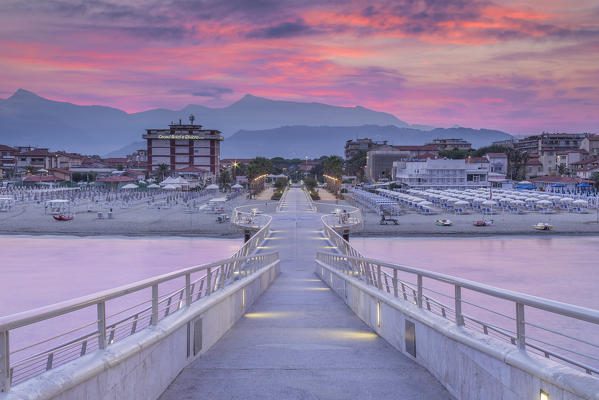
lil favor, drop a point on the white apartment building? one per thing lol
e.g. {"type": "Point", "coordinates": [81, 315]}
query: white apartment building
{"type": "Point", "coordinates": [441, 174]}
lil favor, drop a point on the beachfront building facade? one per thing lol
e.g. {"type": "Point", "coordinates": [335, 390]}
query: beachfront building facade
{"type": "Point", "coordinates": [7, 160]}
{"type": "Point", "coordinates": [353, 147]}
{"type": "Point", "coordinates": [182, 146]}
{"type": "Point", "coordinates": [498, 162]}
{"type": "Point", "coordinates": [451, 144]}
{"type": "Point", "coordinates": [441, 174]}
{"type": "Point", "coordinates": [35, 159]}
{"type": "Point", "coordinates": [379, 162]}
{"type": "Point", "coordinates": [591, 145]}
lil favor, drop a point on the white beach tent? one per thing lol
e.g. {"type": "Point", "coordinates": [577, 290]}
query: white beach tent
{"type": "Point", "coordinates": [130, 186]}
{"type": "Point", "coordinates": [168, 181]}
{"type": "Point", "coordinates": [171, 187]}
{"type": "Point", "coordinates": [153, 186]}
{"type": "Point", "coordinates": [180, 181]}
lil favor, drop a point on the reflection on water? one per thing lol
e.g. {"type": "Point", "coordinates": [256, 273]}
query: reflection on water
{"type": "Point", "coordinates": [557, 268]}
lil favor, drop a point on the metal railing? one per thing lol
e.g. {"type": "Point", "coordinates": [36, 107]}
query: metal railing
{"type": "Point", "coordinates": [21, 364]}
{"type": "Point", "coordinates": [494, 320]}
{"type": "Point", "coordinates": [339, 217]}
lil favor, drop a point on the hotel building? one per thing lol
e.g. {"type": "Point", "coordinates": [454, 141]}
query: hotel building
{"type": "Point", "coordinates": [182, 146]}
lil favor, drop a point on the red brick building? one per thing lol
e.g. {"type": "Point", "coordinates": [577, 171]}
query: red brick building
{"type": "Point", "coordinates": [183, 146]}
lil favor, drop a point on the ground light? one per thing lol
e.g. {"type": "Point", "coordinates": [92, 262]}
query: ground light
{"type": "Point", "coordinates": [543, 396]}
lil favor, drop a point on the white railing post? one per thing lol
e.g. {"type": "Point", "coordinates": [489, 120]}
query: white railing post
{"type": "Point", "coordinates": [520, 326]}
{"type": "Point", "coordinates": [4, 362]}
{"type": "Point", "coordinates": [101, 307]}
{"type": "Point", "coordinates": [395, 282]}
{"type": "Point", "coordinates": [459, 319]}
{"type": "Point", "coordinates": [187, 290]}
{"type": "Point", "coordinates": [154, 304]}
{"type": "Point", "coordinates": [419, 287]}
{"type": "Point", "coordinates": [208, 281]}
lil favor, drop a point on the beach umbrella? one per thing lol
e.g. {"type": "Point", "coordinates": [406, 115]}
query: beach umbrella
{"type": "Point", "coordinates": [581, 202]}
{"type": "Point", "coordinates": [153, 186]}
{"type": "Point", "coordinates": [558, 185]}
{"type": "Point", "coordinates": [461, 203]}
{"type": "Point", "coordinates": [544, 203]}
{"type": "Point", "coordinates": [212, 187]}
{"type": "Point", "coordinates": [237, 186]}
{"type": "Point", "coordinates": [566, 200]}
{"type": "Point", "coordinates": [489, 203]}
{"type": "Point", "coordinates": [583, 185]}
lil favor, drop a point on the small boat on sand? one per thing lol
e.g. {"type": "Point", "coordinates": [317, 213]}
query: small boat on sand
{"type": "Point", "coordinates": [443, 222]}
{"type": "Point", "coordinates": [542, 226]}
{"type": "Point", "coordinates": [485, 222]}
{"type": "Point", "coordinates": [63, 217]}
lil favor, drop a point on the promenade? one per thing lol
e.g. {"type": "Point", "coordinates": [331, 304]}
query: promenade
{"type": "Point", "coordinates": [299, 340]}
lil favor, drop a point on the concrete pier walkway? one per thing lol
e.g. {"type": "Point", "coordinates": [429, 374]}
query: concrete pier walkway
{"type": "Point", "coordinates": [299, 340]}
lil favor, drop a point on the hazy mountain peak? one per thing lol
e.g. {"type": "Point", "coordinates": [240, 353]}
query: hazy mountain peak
{"type": "Point", "coordinates": [22, 94]}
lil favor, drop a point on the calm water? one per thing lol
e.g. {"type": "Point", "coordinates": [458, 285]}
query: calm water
{"type": "Point", "coordinates": [565, 269]}
{"type": "Point", "coordinates": [42, 270]}
{"type": "Point", "coordinates": [37, 271]}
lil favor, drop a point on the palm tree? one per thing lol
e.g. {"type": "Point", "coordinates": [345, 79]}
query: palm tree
{"type": "Point", "coordinates": [162, 171]}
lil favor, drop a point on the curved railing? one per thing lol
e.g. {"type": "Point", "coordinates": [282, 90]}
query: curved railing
{"type": "Point", "coordinates": [340, 217]}
{"type": "Point", "coordinates": [512, 327]}
{"type": "Point", "coordinates": [21, 364]}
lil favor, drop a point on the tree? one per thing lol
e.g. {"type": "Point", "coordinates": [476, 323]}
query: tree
{"type": "Point", "coordinates": [224, 178]}
{"type": "Point", "coordinates": [595, 179]}
{"type": "Point", "coordinates": [355, 165]}
{"type": "Point", "coordinates": [333, 166]}
{"type": "Point", "coordinates": [259, 166]}
{"type": "Point", "coordinates": [280, 183]}
{"type": "Point", "coordinates": [562, 170]}
{"type": "Point", "coordinates": [163, 170]}
{"type": "Point", "coordinates": [310, 183]}
{"type": "Point", "coordinates": [517, 163]}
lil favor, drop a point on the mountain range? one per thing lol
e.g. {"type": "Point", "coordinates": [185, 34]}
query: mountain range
{"type": "Point", "coordinates": [287, 127]}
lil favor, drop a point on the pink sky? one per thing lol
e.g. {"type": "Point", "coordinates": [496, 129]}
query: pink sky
{"type": "Point", "coordinates": [522, 66]}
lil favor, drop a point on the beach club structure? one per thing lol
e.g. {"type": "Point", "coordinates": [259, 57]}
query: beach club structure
{"type": "Point", "coordinates": [442, 173]}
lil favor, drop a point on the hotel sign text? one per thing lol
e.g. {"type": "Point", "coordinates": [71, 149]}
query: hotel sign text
{"type": "Point", "coordinates": [194, 137]}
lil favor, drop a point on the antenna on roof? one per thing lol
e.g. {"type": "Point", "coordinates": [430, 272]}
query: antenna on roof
{"type": "Point", "coordinates": [192, 118]}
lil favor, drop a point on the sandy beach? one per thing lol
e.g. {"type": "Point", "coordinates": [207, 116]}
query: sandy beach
{"type": "Point", "coordinates": [412, 223]}
{"type": "Point", "coordinates": [138, 220]}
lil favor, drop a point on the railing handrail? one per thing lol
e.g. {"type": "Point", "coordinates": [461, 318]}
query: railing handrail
{"type": "Point", "coordinates": [28, 317]}
{"type": "Point", "coordinates": [569, 310]}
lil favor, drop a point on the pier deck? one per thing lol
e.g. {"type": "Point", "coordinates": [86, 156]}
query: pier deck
{"type": "Point", "coordinates": [299, 340]}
